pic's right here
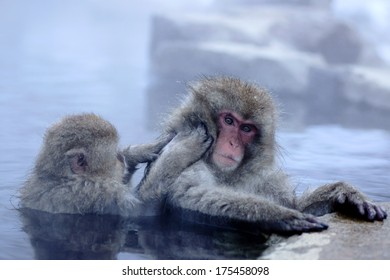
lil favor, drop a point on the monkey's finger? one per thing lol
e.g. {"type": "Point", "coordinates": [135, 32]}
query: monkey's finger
{"type": "Point", "coordinates": [306, 225]}
{"type": "Point", "coordinates": [317, 224]}
{"type": "Point", "coordinates": [384, 212]}
{"type": "Point", "coordinates": [360, 208]}
{"type": "Point", "coordinates": [370, 211]}
{"type": "Point", "coordinates": [315, 221]}
{"type": "Point", "coordinates": [202, 128]}
{"type": "Point", "coordinates": [341, 199]}
{"type": "Point", "coordinates": [309, 227]}
{"type": "Point", "coordinates": [380, 213]}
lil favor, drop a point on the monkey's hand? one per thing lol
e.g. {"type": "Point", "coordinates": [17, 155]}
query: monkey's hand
{"type": "Point", "coordinates": [341, 197]}
{"type": "Point", "coordinates": [186, 148]}
{"type": "Point", "coordinates": [297, 222]}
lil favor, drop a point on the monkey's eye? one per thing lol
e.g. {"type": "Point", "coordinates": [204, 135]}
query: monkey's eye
{"type": "Point", "coordinates": [246, 128]}
{"type": "Point", "coordinates": [229, 120]}
{"type": "Point", "coordinates": [81, 160]}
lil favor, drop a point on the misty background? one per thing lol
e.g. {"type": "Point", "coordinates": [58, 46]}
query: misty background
{"type": "Point", "coordinates": [325, 62]}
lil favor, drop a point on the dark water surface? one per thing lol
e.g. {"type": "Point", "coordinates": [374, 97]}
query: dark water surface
{"type": "Point", "coordinates": [58, 59]}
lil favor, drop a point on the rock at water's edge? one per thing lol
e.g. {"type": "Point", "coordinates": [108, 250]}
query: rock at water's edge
{"type": "Point", "coordinates": [346, 238]}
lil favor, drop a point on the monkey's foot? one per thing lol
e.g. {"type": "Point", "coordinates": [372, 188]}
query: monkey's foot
{"type": "Point", "coordinates": [365, 209]}
{"type": "Point", "coordinates": [356, 203]}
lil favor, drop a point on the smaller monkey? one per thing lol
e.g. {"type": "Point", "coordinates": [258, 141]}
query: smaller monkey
{"type": "Point", "coordinates": [79, 169]}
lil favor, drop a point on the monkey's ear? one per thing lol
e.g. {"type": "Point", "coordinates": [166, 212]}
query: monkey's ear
{"type": "Point", "coordinates": [77, 161]}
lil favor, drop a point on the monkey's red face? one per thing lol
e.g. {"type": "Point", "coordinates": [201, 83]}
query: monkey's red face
{"type": "Point", "coordinates": [235, 133]}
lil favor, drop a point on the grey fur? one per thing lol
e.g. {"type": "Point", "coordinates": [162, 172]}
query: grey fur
{"type": "Point", "coordinates": [101, 185]}
{"type": "Point", "coordinates": [257, 191]}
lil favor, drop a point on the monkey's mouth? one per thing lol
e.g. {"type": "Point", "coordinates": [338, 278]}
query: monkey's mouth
{"type": "Point", "coordinates": [226, 160]}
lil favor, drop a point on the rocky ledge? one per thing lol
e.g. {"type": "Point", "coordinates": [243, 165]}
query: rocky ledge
{"type": "Point", "coordinates": [346, 238]}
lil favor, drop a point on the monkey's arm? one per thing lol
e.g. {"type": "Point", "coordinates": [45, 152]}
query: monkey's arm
{"type": "Point", "coordinates": [226, 203]}
{"type": "Point", "coordinates": [143, 153]}
{"type": "Point", "coordinates": [340, 197]}
{"type": "Point", "coordinates": [185, 148]}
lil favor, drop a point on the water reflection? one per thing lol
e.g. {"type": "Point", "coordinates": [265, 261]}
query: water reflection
{"type": "Point", "coordinates": [64, 236]}
{"type": "Point", "coordinates": [60, 236]}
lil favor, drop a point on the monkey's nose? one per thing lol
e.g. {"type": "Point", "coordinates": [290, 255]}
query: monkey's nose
{"type": "Point", "coordinates": [234, 143]}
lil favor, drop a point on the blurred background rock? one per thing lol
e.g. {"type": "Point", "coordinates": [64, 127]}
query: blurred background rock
{"type": "Point", "coordinates": [322, 63]}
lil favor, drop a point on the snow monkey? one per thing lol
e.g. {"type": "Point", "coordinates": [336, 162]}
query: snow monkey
{"type": "Point", "coordinates": [231, 173]}
{"type": "Point", "coordinates": [79, 169]}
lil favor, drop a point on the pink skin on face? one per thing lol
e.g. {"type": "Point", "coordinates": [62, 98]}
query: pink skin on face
{"type": "Point", "coordinates": [234, 134]}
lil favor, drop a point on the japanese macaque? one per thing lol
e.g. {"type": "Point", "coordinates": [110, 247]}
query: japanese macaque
{"type": "Point", "coordinates": [232, 173]}
{"type": "Point", "coordinates": [79, 169]}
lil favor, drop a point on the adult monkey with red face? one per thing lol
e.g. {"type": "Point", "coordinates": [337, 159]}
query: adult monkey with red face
{"type": "Point", "coordinates": [237, 177]}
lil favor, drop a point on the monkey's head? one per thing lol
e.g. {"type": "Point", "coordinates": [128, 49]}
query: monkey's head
{"type": "Point", "coordinates": [240, 116]}
{"type": "Point", "coordinates": [82, 144]}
